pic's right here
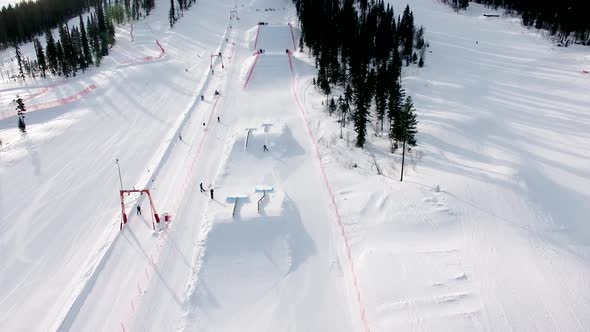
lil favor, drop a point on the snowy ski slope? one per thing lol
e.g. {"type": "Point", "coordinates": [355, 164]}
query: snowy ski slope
{"type": "Point", "coordinates": [503, 133]}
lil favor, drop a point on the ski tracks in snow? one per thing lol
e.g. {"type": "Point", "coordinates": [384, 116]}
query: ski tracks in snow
{"type": "Point", "coordinates": [68, 313]}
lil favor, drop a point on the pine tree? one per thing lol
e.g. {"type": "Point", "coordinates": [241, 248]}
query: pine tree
{"type": "Point", "coordinates": [394, 109]}
{"type": "Point", "coordinates": [332, 106]}
{"type": "Point", "coordinates": [102, 29]}
{"type": "Point", "coordinates": [19, 60]}
{"type": "Point", "coordinates": [94, 35]}
{"type": "Point", "coordinates": [171, 14]}
{"type": "Point", "coordinates": [381, 93]}
{"type": "Point", "coordinates": [345, 106]}
{"type": "Point", "coordinates": [406, 31]}
{"type": "Point", "coordinates": [85, 44]}
{"type": "Point", "coordinates": [362, 100]}
{"type": "Point", "coordinates": [51, 52]}
{"type": "Point", "coordinates": [66, 59]}
{"type": "Point", "coordinates": [409, 122]}
{"type": "Point", "coordinates": [78, 50]}
{"type": "Point", "coordinates": [62, 64]}
{"type": "Point", "coordinates": [42, 64]}
{"type": "Point", "coordinates": [20, 107]}
{"type": "Point", "coordinates": [420, 38]}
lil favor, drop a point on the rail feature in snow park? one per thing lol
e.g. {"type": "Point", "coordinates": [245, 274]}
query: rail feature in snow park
{"type": "Point", "coordinates": [263, 190]}
{"type": "Point", "coordinates": [362, 308]}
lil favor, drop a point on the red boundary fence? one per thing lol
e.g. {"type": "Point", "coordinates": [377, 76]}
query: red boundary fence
{"type": "Point", "coordinates": [256, 40]}
{"type": "Point", "coordinates": [362, 309]}
{"type": "Point", "coordinates": [159, 56]}
{"type": "Point", "coordinates": [257, 55]}
{"type": "Point", "coordinates": [62, 101]}
{"type": "Point", "coordinates": [292, 37]}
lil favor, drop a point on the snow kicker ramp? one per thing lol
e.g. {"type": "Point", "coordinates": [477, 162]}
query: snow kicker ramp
{"type": "Point", "coordinates": [269, 70]}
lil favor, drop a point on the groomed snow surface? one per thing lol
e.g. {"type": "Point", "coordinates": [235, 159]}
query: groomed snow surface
{"type": "Point", "coordinates": [296, 238]}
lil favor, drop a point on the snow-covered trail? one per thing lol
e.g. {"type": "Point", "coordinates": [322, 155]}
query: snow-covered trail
{"type": "Point", "coordinates": [58, 186]}
{"type": "Point", "coordinates": [141, 257]}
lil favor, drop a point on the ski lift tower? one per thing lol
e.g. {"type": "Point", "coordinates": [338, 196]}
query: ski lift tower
{"type": "Point", "coordinates": [234, 12]}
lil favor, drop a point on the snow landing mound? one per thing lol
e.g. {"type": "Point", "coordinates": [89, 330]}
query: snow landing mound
{"type": "Point", "coordinates": [251, 252]}
{"type": "Point", "coordinates": [244, 264]}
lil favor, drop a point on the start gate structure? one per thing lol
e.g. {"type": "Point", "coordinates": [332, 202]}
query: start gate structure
{"type": "Point", "coordinates": [141, 191]}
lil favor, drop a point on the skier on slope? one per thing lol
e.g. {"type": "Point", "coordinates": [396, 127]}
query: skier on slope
{"type": "Point", "coordinates": [264, 148]}
{"type": "Point", "coordinates": [201, 186]}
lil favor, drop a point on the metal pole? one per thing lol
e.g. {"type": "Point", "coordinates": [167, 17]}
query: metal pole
{"type": "Point", "coordinates": [119, 168]}
{"type": "Point", "coordinates": [403, 158]}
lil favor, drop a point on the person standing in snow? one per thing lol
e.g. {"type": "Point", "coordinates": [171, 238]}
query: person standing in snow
{"type": "Point", "coordinates": [218, 121]}
{"type": "Point", "coordinates": [139, 210]}
{"type": "Point", "coordinates": [201, 186]}
{"type": "Point", "coordinates": [202, 98]}
{"type": "Point", "coordinates": [180, 136]}
{"type": "Point", "coordinates": [211, 190]}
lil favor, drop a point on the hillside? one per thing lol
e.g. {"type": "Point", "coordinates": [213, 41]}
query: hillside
{"type": "Point", "coordinates": [487, 231]}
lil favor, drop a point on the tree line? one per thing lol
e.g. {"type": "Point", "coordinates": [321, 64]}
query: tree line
{"type": "Point", "coordinates": [567, 20]}
{"type": "Point", "coordinates": [75, 49]}
{"type": "Point", "coordinates": [361, 52]}
{"type": "Point", "coordinates": [22, 22]}
{"type": "Point", "coordinates": [177, 10]}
